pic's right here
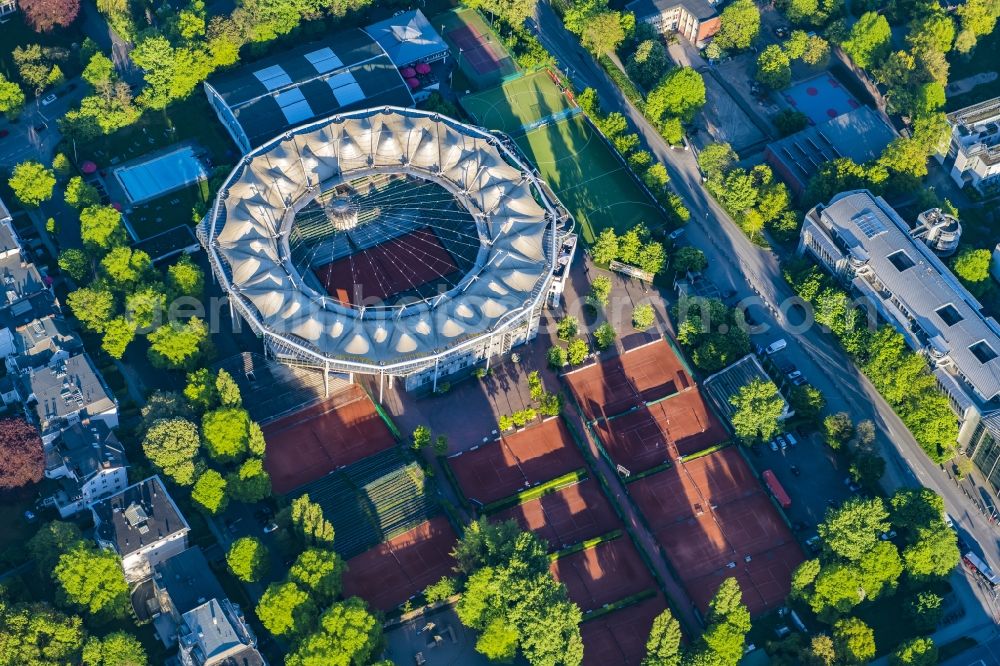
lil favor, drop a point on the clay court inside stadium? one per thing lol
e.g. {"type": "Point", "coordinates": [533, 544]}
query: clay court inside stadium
{"type": "Point", "coordinates": [620, 636]}
{"type": "Point", "coordinates": [606, 573]}
{"type": "Point", "coordinates": [312, 442]}
{"type": "Point", "coordinates": [616, 385]}
{"type": "Point", "coordinates": [711, 514]}
{"type": "Point", "coordinates": [567, 516]}
{"type": "Point", "coordinates": [396, 570]}
{"type": "Point", "coordinates": [516, 461]}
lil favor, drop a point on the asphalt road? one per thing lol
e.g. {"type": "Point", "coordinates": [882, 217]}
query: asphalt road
{"type": "Point", "coordinates": [735, 263]}
{"type": "Point", "coordinates": [24, 141]}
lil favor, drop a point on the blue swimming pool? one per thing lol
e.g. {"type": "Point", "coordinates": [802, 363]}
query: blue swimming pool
{"type": "Point", "coordinates": [821, 98]}
{"type": "Point", "coordinates": [152, 178]}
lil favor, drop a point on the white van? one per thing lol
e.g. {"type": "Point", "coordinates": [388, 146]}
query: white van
{"type": "Point", "coordinates": [775, 347]}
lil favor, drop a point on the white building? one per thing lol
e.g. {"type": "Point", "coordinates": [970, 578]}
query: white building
{"type": "Point", "coordinates": [66, 392]}
{"type": "Point", "coordinates": [974, 149]}
{"type": "Point", "coordinates": [143, 525]}
{"type": "Point", "coordinates": [89, 463]}
{"type": "Point", "coordinates": [217, 634]}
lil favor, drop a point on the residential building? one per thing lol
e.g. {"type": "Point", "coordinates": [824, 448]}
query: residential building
{"type": "Point", "coordinates": [89, 463]}
{"type": "Point", "coordinates": [40, 342]}
{"type": "Point", "coordinates": [343, 72]}
{"type": "Point", "coordinates": [974, 149]}
{"type": "Point", "coordinates": [66, 392]}
{"type": "Point", "coordinates": [217, 634]}
{"type": "Point", "coordinates": [862, 241]}
{"type": "Point", "coordinates": [143, 525]}
{"type": "Point", "coordinates": [408, 38]}
{"type": "Point", "coordinates": [7, 7]}
{"type": "Point", "coordinates": [697, 20]}
{"type": "Point", "coordinates": [861, 135]}
{"type": "Point", "coordinates": [18, 276]}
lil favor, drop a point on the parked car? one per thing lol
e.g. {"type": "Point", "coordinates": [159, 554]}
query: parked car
{"type": "Point", "coordinates": [793, 375]}
{"type": "Point", "coordinates": [814, 544]}
{"type": "Point", "coordinates": [948, 521]}
{"type": "Point", "coordinates": [885, 536]}
{"type": "Point", "coordinates": [781, 442]}
{"type": "Point", "coordinates": [676, 233]}
{"type": "Point", "coordinates": [800, 380]}
{"type": "Point", "coordinates": [48, 99]}
{"type": "Point", "coordinates": [775, 346]}
{"type": "Point", "coordinates": [774, 445]}
{"type": "Point", "coordinates": [791, 439]}
{"type": "Point", "coordinates": [799, 526]}
{"type": "Point", "coordinates": [270, 527]}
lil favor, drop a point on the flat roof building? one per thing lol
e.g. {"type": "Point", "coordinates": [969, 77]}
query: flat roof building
{"type": "Point", "coordinates": [343, 72]}
{"type": "Point", "coordinates": [89, 463]}
{"type": "Point", "coordinates": [974, 149]}
{"type": "Point", "coordinates": [861, 240]}
{"type": "Point", "coordinates": [861, 135]}
{"type": "Point", "coordinates": [409, 38]}
{"type": "Point", "coordinates": [697, 20]}
{"type": "Point", "coordinates": [66, 392]}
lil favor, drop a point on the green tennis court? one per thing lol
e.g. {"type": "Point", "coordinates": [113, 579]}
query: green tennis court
{"type": "Point", "coordinates": [480, 54]}
{"type": "Point", "coordinates": [588, 178]}
{"type": "Point", "coordinates": [517, 103]}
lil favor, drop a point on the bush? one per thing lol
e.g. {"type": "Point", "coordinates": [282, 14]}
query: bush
{"type": "Point", "coordinates": [557, 357]}
{"type": "Point", "coordinates": [643, 316]}
{"type": "Point", "coordinates": [505, 423]}
{"type": "Point", "coordinates": [605, 335]}
{"type": "Point", "coordinates": [577, 352]}
{"type": "Point", "coordinates": [421, 437]}
{"type": "Point", "coordinates": [567, 328]}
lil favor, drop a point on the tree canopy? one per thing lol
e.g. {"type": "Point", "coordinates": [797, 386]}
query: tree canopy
{"type": "Point", "coordinates": [226, 432]}
{"type": "Point", "coordinates": [91, 579]}
{"type": "Point", "coordinates": [248, 559]}
{"type": "Point", "coordinates": [178, 345]}
{"type": "Point", "coordinates": [680, 94]}
{"type": "Point", "coordinates": [740, 25]}
{"type": "Point", "coordinates": [209, 491]}
{"type": "Point", "coordinates": [869, 39]}
{"type": "Point", "coordinates": [101, 227]}
{"type": "Point", "coordinates": [172, 445]}
{"type": "Point", "coordinates": [286, 609]}
{"type": "Point", "coordinates": [32, 183]}
{"type": "Point", "coordinates": [759, 407]}
{"type": "Point", "coordinates": [22, 459]}
{"type": "Point", "coordinates": [348, 635]}
{"type": "Point", "coordinates": [115, 649]}
{"type": "Point", "coordinates": [44, 15]}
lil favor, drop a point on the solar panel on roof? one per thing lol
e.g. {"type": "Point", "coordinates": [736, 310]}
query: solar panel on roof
{"type": "Point", "coordinates": [341, 79]}
{"type": "Point", "coordinates": [324, 60]}
{"type": "Point", "coordinates": [870, 225]}
{"type": "Point", "coordinates": [272, 77]}
{"type": "Point", "coordinates": [348, 94]}
{"type": "Point", "coordinates": [294, 105]}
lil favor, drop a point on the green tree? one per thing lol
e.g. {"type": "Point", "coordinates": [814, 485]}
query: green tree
{"type": "Point", "coordinates": [184, 278]}
{"type": "Point", "coordinates": [853, 530]}
{"type": "Point", "coordinates": [209, 491]}
{"type": "Point", "coordinates": [567, 328]}
{"type": "Point", "coordinates": [869, 39]}
{"type": "Point", "coordinates": [679, 95]}
{"type": "Point", "coordinates": [172, 445]}
{"type": "Point", "coordinates": [170, 72]}
{"type": "Point", "coordinates": [557, 357]}
{"type": "Point", "coordinates": [728, 622]}
{"type": "Point", "coordinates": [605, 335]}
{"type": "Point", "coordinates": [124, 267]}
{"type": "Point", "coordinates": [348, 635]}
{"type": "Point", "coordinates": [924, 610]}
{"type": "Point", "coordinates": [310, 523]}
{"type": "Point", "coordinates": [774, 68]}
{"type": "Point", "coordinates": [115, 649]}
{"type": "Point", "coordinates": [631, 242]}
{"type": "Point", "coordinates": [817, 51]}
{"type": "Point", "coordinates": [652, 257]}
{"type": "Point", "coordinates": [92, 580]}
{"type": "Point", "coordinates": [101, 227]}
{"type": "Point", "coordinates": [577, 351]}
{"type": "Point", "coordinates": [919, 651]}
{"type": "Point", "coordinates": [689, 259]}
{"type": "Point", "coordinates": [50, 542]}
{"type": "Point", "coordinates": [145, 306]}
{"type": "Point", "coordinates": [75, 263]}
{"type": "Point", "coordinates": [759, 407]}
{"type": "Point", "coordinates": [80, 194]}
{"type": "Point", "coordinates": [442, 590]}
{"type": "Point", "coordinates": [716, 159]}
{"type": "Point", "coordinates": [93, 307]}
{"type": "Point", "coordinates": [36, 635]}
{"type": "Point", "coordinates": [973, 267]}
{"type": "Point", "coordinates": [605, 248]}
{"type": "Point", "coordinates": [933, 552]}
{"type": "Point", "coordinates": [604, 32]}
{"type": "Point", "coordinates": [913, 509]}
{"type": "Point", "coordinates": [807, 402]}
{"type": "Point", "coordinates": [251, 482]}
{"type": "Point", "coordinates": [118, 335]}
{"type": "Point", "coordinates": [285, 609]}
{"type": "Point", "coordinates": [978, 17]}
{"type": "Point", "coordinates": [99, 70]}
{"type": "Point", "coordinates": [32, 183]}
{"type": "Point", "coordinates": [226, 433]}
{"type": "Point", "coordinates": [248, 559]}
{"type": "Point", "coordinates": [421, 437]}
{"type": "Point", "coordinates": [837, 430]}
{"type": "Point", "coordinates": [664, 645]}
{"type": "Point", "coordinates": [854, 639]}
{"type": "Point", "coordinates": [256, 442]}
{"type": "Point", "coordinates": [600, 290]}
{"type": "Point", "coordinates": [200, 389]}
{"type": "Point", "coordinates": [177, 345]}
{"type": "Point", "coordinates": [648, 63]}
{"type": "Point", "coordinates": [319, 572]}
{"type": "Point", "coordinates": [643, 316]}
{"type": "Point", "coordinates": [740, 25]}
{"type": "Point", "coordinates": [11, 97]}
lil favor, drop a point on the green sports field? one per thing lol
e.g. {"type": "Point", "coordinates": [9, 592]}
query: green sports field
{"type": "Point", "coordinates": [588, 178]}
{"type": "Point", "coordinates": [485, 61]}
{"type": "Point", "coordinates": [516, 103]}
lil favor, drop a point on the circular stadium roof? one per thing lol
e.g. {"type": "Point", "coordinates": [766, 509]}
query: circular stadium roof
{"type": "Point", "coordinates": [254, 212]}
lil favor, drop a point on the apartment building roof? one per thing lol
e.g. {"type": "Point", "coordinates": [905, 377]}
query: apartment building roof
{"type": "Point", "coordinates": [138, 516]}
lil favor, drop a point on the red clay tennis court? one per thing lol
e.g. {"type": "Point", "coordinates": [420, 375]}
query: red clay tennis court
{"type": "Point", "coordinates": [614, 386]}
{"type": "Point", "coordinates": [393, 267]}
{"type": "Point", "coordinates": [676, 426]}
{"type": "Point", "coordinates": [310, 443]}
{"type": "Point", "coordinates": [571, 515]}
{"type": "Point", "coordinates": [394, 571]}
{"type": "Point", "coordinates": [620, 637]}
{"type": "Point", "coordinates": [523, 459]}
{"type": "Point", "coordinates": [608, 572]}
{"type": "Point", "coordinates": [765, 580]}
{"type": "Point", "coordinates": [476, 49]}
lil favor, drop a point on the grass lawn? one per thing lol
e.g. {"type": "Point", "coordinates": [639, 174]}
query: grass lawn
{"type": "Point", "coordinates": [589, 178]}
{"type": "Point", "coordinates": [166, 212]}
{"type": "Point", "coordinates": [513, 105]}
{"type": "Point", "coordinates": [17, 530]}
{"type": "Point", "coordinates": [984, 59]}
{"type": "Point", "coordinates": [14, 33]}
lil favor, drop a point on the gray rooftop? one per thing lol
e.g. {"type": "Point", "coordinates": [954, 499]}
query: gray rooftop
{"type": "Point", "coordinates": [34, 306]}
{"type": "Point", "coordinates": [214, 639]}
{"type": "Point", "coordinates": [39, 339]}
{"type": "Point", "coordinates": [861, 134]}
{"type": "Point", "coordinates": [408, 38]}
{"type": "Point", "coordinates": [948, 316]}
{"type": "Point", "coordinates": [4, 213]}
{"type": "Point", "coordinates": [8, 237]}
{"type": "Point", "coordinates": [188, 579]}
{"type": "Point", "coordinates": [977, 129]}
{"type": "Point", "coordinates": [18, 277]}
{"type": "Point", "coordinates": [347, 70]}
{"type": "Point", "coordinates": [643, 9]}
{"type": "Point", "coordinates": [85, 450]}
{"type": "Point", "coordinates": [138, 516]}
{"type": "Point", "coordinates": [69, 387]}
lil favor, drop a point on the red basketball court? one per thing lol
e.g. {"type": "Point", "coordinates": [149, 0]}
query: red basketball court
{"type": "Point", "coordinates": [608, 572]}
{"type": "Point", "coordinates": [620, 383]}
{"type": "Point", "coordinates": [393, 267]}
{"type": "Point", "coordinates": [679, 425]}
{"type": "Point", "coordinates": [516, 461]}
{"type": "Point", "coordinates": [620, 637]}
{"type": "Point", "coordinates": [571, 515]}
{"type": "Point", "coordinates": [310, 443]}
{"type": "Point", "coordinates": [392, 572]}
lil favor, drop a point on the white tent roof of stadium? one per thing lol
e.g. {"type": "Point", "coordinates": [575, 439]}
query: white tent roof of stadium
{"type": "Point", "coordinates": [874, 233]}
{"type": "Point", "coordinates": [255, 210]}
{"type": "Point", "coordinates": [348, 70]}
{"type": "Point", "coordinates": [408, 38]}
